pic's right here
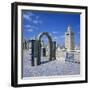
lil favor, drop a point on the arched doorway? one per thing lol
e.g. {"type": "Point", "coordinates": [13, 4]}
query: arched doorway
{"type": "Point", "coordinates": [45, 48]}
{"type": "Point", "coordinates": [39, 38]}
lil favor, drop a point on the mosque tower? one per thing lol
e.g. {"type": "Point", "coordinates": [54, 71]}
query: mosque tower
{"type": "Point", "coordinates": [69, 39]}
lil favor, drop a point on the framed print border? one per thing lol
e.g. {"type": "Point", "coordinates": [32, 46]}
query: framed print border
{"type": "Point", "coordinates": [15, 41]}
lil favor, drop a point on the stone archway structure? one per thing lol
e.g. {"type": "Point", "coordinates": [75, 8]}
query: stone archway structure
{"type": "Point", "coordinates": [39, 46]}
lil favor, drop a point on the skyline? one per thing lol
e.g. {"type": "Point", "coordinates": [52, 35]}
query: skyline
{"type": "Point", "coordinates": [35, 22]}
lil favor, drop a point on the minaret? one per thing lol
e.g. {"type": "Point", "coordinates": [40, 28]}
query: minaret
{"type": "Point", "coordinates": [69, 39]}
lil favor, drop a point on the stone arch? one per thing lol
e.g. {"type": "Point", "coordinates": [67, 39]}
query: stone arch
{"type": "Point", "coordinates": [39, 46]}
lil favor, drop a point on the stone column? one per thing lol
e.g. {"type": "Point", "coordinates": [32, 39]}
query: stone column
{"type": "Point", "coordinates": [54, 50]}
{"type": "Point", "coordinates": [32, 52]}
{"type": "Point", "coordinates": [35, 53]}
{"type": "Point", "coordinates": [38, 52]}
{"type": "Point", "coordinates": [51, 50]}
{"type": "Point", "coordinates": [25, 45]}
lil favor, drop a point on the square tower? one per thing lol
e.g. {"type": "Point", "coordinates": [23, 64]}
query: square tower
{"type": "Point", "coordinates": [69, 39]}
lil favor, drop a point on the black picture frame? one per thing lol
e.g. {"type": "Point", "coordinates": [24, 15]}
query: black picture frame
{"type": "Point", "coordinates": [14, 43]}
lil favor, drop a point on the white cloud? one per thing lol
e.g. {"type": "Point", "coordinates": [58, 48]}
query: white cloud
{"type": "Point", "coordinates": [27, 26]}
{"type": "Point", "coordinates": [38, 19]}
{"type": "Point", "coordinates": [62, 36]}
{"type": "Point", "coordinates": [32, 18]}
{"type": "Point", "coordinates": [54, 32]}
{"type": "Point", "coordinates": [30, 30]}
{"type": "Point", "coordinates": [30, 14]}
{"type": "Point", "coordinates": [35, 21]}
{"type": "Point", "coordinates": [26, 16]}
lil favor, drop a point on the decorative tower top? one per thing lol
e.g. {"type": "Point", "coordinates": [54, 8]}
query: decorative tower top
{"type": "Point", "coordinates": [69, 29]}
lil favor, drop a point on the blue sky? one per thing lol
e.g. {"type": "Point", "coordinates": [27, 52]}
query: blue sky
{"type": "Point", "coordinates": [55, 23]}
